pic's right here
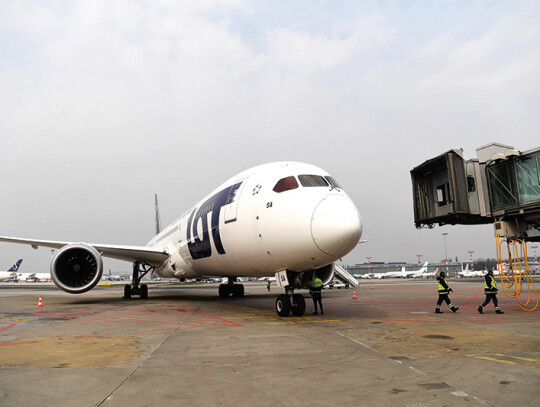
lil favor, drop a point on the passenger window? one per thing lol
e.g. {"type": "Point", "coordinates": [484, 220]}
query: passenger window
{"type": "Point", "coordinates": [286, 184]}
{"type": "Point", "coordinates": [312, 181]}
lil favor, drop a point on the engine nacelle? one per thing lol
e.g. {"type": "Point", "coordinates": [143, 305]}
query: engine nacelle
{"type": "Point", "coordinates": [76, 268]}
{"type": "Point", "coordinates": [326, 274]}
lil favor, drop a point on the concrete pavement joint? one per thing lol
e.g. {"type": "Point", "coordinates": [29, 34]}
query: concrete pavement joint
{"type": "Point", "coordinates": [456, 392]}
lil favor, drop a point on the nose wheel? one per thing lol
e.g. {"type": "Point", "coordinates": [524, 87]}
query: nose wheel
{"type": "Point", "coordinates": [287, 303]}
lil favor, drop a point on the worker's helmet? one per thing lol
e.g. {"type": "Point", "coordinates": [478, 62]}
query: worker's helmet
{"type": "Point", "coordinates": [442, 274]}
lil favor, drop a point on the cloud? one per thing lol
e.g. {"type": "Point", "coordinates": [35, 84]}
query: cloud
{"type": "Point", "coordinates": [105, 103]}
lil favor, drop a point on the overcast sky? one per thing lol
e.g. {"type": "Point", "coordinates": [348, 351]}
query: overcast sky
{"type": "Point", "coordinates": [104, 103]}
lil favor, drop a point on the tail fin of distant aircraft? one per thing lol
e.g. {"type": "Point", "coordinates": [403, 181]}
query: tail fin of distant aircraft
{"type": "Point", "coordinates": [158, 222]}
{"type": "Point", "coordinates": [16, 266]}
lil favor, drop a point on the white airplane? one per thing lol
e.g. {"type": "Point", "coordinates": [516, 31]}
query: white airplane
{"type": "Point", "coordinates": [42, 277]}
{"type": "Point", "coordinates": [402, 273]}
{"type": "Point", "coordinates": [426, 274]}
{"type": "Point", "coordinates": [287, 219]}
{"type": "Point", "coordinates": [387, 274]}
{"type": "Point", "coordinates": [473, 273]}
{"type": "Point", "coordinates": [422, 272]}
{"type": "Point", "coordinates": [114, 277]}
{"type": "Point", "coordinates": [11, 274]}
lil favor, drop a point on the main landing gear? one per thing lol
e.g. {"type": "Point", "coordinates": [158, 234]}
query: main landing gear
{"type": "Point", "coordinates": [290, 302]}
{"type": "Point", "coordinates": [231, 288]}
{"type": "Point", "coordinates": [139, 271]}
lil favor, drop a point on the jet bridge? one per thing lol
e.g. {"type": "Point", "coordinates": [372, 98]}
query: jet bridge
{"type": "Point", "coordinates": [501, 186]}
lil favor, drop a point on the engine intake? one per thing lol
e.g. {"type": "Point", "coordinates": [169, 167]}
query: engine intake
{"type": "Point", "coordinates": [76, 268]}
{"type": "Point", "coordinates": [326, 274]}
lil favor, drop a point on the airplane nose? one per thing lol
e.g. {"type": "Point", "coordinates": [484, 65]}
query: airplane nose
{"type": "Point", "coordinates": [336, 226]}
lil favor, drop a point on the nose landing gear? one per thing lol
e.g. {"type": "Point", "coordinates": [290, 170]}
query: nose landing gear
{"type": "Point", "coordinates": [290, 302]}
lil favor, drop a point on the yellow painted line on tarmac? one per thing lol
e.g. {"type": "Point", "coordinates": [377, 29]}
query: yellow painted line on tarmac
{"type": "Point", "coordinates": [509, 362]}
{"type": "Point", "coordinates": [517, 357]}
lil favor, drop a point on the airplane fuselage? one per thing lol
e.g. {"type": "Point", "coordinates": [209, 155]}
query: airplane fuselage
{"type": "Point", "coordinates": [279, 216]}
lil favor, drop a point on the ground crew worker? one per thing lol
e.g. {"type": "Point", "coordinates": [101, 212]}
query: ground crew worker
{"type": "Point", "coordinates": [444, 290]}
{"type": "Point", "coordinates": [268, 285]}
{"type": "Point", "coordinates": [490, 289]}
{"type": "Point", "coordinates": [316, 292]}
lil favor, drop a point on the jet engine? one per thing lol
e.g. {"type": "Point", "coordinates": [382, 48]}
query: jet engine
{"type": "Point", "coordinates": [76, 268]}
{"type": "Point", "coordinates": [326, 274]}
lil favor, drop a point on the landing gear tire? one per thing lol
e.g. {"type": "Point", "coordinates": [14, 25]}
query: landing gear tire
{"type": "Point", "coordinates": [238, 290]}
{"type": "Point", "coordinates": [127, 291]}
{"type": "Point", "coordinates": [224, 290]}
{"type": "Point", "coordinates": [299, 305]}
{"type": "Point", "coordinates": [283, 305]}
{"type": "Point", "coordinates": [144, 291]}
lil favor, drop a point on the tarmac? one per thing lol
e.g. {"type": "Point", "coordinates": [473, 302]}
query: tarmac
{"type": "Point", "coordinates": [185, 346]}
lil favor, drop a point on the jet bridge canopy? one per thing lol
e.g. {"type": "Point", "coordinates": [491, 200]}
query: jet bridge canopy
{"type": "Point", "coordinates": [446, 191]}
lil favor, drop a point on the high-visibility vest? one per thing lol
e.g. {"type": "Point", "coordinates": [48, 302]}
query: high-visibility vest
{"type": "Point", "coordinates": [440, 287]}
{"type": "Point", "coordinates": [317, 283]}
{"type": "Point", "coordinates": [492, 286]}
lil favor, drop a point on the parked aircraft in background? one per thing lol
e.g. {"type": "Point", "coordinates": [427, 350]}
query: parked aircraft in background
{"type": "Point", "coordinates": [114, 277]}
{"type": "Point", "coordinates": [11, 274]}
{"type": "Point", "coordinates": [413, 273]}
{"type": "Point", "coordinates": [289, 220]}
{"type": "Point", "coordinates": [466, 273]}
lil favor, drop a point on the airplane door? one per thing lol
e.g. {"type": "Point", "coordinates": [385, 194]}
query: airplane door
{"type": "Point", "coordinates": [231, 208]}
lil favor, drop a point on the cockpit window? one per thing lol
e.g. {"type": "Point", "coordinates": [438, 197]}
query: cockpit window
{"type": "Point", "coordinates": [312, 181]}
{"type": "Point", "coordinates": [286, 184]}
{"type": "Point", "coordinates": [333, 182]}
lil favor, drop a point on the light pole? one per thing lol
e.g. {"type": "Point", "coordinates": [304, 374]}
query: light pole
{"type": "Point", "coordinates": [472, 264]}
{"type": "Point", "coordinates": [535, 258]}
{"type": "Point", "coordinates": [419, 257]}
{"type": "Point", "coordinates": [445, 253]}
{"type": "Point", "coordinates": [369, 264]}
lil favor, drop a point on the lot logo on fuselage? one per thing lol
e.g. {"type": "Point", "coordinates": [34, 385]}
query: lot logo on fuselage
{"type": "Point", "coordinates": [200, 248]}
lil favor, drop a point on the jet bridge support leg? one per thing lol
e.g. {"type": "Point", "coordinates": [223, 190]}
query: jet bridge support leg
{"type": "Point", "coordinates": [139, 271]}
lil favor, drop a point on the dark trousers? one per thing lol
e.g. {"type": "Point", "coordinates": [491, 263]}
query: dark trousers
{"type": "Point", "coordinates": [490, 297]}
{"type": "Point", "coordinates": [443, 297]}
{"type": "Point", "coordinates": [317, 298]}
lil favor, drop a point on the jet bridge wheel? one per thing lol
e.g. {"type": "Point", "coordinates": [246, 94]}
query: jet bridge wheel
{"type": "Point", "coordinates": [283, 305]}
{"type": "Point", "coordinates": [299, 305]}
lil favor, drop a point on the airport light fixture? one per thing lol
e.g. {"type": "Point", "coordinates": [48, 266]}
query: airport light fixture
{"type": "Point", "coordinates": [445, 252]}
{"type": "Point", "coordinates": [369, 263]}
{"type": "Point", "coordinates": [472, 264]}
{"type": "Point", "coordinates": [419, 257]}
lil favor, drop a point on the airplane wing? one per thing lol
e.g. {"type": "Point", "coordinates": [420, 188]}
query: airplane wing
{"type": "Point", "coordinates": [151, 255]}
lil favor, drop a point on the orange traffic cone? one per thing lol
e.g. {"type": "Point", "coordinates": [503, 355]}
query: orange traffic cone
{"type": "Point", "coordinates": [372, 286]}
{"type": "Point", "coordinates": [40, 302]}
{"type": "Point", "coordinates": [354, 295]}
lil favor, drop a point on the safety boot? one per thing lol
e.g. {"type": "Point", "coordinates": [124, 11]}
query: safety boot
{"type": "Point", "coordinates": [438, 311]}
{"type": "Point", "coordinates": [480, 309]}
{"type": "Point", "coordinates": [454, 309]}
{"type": "Point", "coordinates": [498, 311]}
